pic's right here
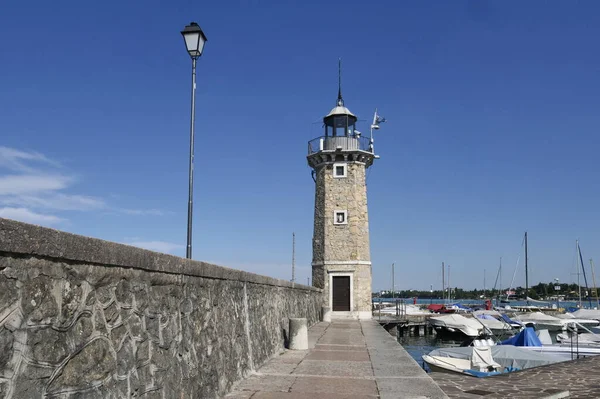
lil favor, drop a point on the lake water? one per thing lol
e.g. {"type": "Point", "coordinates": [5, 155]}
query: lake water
{"type": "Point", "coordinates": [418, 346]}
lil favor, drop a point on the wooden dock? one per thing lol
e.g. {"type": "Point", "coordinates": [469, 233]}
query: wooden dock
{"type": "Point", "coordinates": [406, 324]}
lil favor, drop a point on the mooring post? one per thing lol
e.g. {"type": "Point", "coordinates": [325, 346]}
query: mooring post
{"type": "Point", "coordinates": [326, 311]}
{"type": "Point", "coordinates": [298, 334]}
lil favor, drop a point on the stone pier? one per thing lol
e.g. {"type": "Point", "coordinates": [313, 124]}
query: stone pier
{"type": "Point", "coordinates": [346, 359]}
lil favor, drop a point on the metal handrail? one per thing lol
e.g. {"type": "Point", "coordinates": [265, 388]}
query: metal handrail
{"type": "Point", "coordinates": [342, 143]}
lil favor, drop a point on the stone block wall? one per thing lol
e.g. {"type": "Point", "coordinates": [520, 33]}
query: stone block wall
{"type": "Point", "coordinates": [347, 242]}
{"type": "Point", "coordinates": [342, 248]}
{"type": "Point", "coordinates": [86, 318]}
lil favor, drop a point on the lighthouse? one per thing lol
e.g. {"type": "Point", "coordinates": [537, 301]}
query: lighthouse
{"type": "Point", "coordinates": [341, 262]}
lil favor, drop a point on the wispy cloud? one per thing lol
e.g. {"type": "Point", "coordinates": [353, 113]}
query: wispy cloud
{"type": "Point", "coordinates": [56, 201]}
{"type": "Point", "coordinates": [30, 184]}
{"type": "Point", "coordinates": [33, 185]}
{"type": "Point", "coordinates": [143, 212]}
{"type": "Point", "coordinates": [28, 216]}
{"type": "Point", "coordinates": [158, 246]}
{"type": "Point", "coordinates": [20, 161]}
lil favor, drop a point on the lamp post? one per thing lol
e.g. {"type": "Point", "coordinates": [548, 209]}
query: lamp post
{"type": "Point", "coordinates": [430, 294]}
{"type": "Point", "coordinates": [194, 42]}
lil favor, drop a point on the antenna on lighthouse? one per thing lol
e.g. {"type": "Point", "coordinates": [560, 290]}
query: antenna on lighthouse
{"type": "Point", "coordinates": [293, 257]}
{"type": "Point", "coordinates": [377, 119]}
{"type": "Point", "coordinates": [340, 100]}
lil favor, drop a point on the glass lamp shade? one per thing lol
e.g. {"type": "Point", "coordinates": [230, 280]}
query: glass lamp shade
{"type": "Point", "coordinates": [194, 39]}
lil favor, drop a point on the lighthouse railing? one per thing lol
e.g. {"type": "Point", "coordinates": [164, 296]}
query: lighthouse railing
{"type": "Point", "coordinates": [339, 143]}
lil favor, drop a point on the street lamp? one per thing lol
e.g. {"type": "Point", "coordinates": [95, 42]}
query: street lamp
{"type": "Point", "coordinates": [194, 42]}
{"type": "Point", "coordinates": [430, 294]}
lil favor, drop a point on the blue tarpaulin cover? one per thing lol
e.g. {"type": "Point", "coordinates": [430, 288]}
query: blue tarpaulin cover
{"type": "Point", "coordinates": [509, 320]}
{"type": "Point", "coordinates": [526, 337]}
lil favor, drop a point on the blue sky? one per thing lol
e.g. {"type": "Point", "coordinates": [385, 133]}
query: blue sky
{"type": "Point", "coordinates": [492, 109]}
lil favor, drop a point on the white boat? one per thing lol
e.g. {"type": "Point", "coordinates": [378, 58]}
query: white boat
{"type": "Point", "coordinates": [541, 321]}
{"type": "Point", "coordinates": [581, 323]}
{"type": "Point", "coordinates": [493, 321]}
{"type": "Point", "coordinates": [455, 324]}
{"type": "Point", "coordinates": [507, 357]}
{"type": "Point", "coordinates": [566, 351]}
{"type": "Point", "coordinates": [480, 363]}
{"type": "Point", "coordinates": [580, 339]}
{"type": "Point", "coordinates": [587, 314]}
{"type": "Point", "coordinates": [401, 310]}
{"type": "Point", "coordinates": [529, 340]}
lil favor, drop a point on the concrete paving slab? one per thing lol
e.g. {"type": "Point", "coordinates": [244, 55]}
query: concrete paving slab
{"type": "Point", "coordinates": [258, 383]}
{"type": "Point", "coordinates": [340, 386]}
{"type": "Point", "coordinates": [342, 340]}
{"type": "Point", "coordinates": [339, 356]}
{"type": "Point", "coordinates": [240, 395]}
{"type": "Point", "coordinates": [409, 388]}
{"type": "Point", "coordinates": [334, 369]}
{"type": "Point", "coordinates": [301, 395]}
{"type": "Point", "coordinates": [348, 359]}
{"type": "Point", "coordinates": [278, 368]}
{"type": "Point", "coordinates": [344, 348]}
{"type": "Point", "coordinates": [398, 370]}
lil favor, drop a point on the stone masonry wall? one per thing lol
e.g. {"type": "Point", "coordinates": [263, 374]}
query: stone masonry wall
{"type": "Point", "coordinates": [342, 243]}
{"type": "Point", "coordinates": [85, 318]}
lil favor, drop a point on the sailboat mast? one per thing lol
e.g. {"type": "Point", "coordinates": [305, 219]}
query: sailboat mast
{"type": "Point", "coordinates": [484, 283]}
{"type": "Point", "coordinates": [500, 273]}
{"type": "Point", "coordinates": [443, 281]}
{"type": "Point", "coordinates": [578, 270]}
{"type": "Point", "coordinates": [393, 283]}
{"type": "Point", "coordinates": [526, 273]}
{"type": "Point", "coordinates": [293, 257]}
{"type": "Point", "coordinates": [587, 288]}
{"type": "Point", "coordinates": [594, 281]}
{"type": "Point", "coordinates": [449, 289]}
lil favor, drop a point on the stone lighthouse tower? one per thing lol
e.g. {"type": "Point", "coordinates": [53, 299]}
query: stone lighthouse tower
{"type": "Point", "coordinates": [341, 263]}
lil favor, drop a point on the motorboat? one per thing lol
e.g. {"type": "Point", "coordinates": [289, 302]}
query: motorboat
{"type": "Point", "coordinates": [494, 322]}
{"type": "Point", "coordinates": [458, 308]}
{"type": "Point", "coordinates": [503, 358]}
{"type": "Point", "coordinates": [541, 321]}
{"type": "Point", "coordinates": [479, 364]}
{"type": "Point", "coordinates": [528, 339]}
{"type": "Point", "coordinates": [582, 324]}
{"type": "Point", "coordinates": [456, 325]}
{"type": "Point", "coordinates": [403, 309]}
{"type": "Point", "coordinates": [580, 339]}
{"type": "Point", "coordinates": [587, 314]}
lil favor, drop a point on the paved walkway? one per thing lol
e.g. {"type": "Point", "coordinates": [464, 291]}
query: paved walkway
{"type": "Point", "coordinates": [346, 359]}
{"type": "Point", "coordinates": [572, 379]}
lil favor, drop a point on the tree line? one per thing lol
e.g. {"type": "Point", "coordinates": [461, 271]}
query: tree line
{"type": "Point", "coordinates": [540, 291]}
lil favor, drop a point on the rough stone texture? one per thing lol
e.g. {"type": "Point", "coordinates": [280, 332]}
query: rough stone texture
{"type": "Point", "coordinates": [342, 248]}
{"type": "Point", "coordinates": [572, 379]}
{"type": "Point", "coordinates": [333, 242]}
{"type": "Point", "coordinates": [81, 317]}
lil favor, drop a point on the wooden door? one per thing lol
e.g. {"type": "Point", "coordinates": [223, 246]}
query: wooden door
{"type": "Point", "coordinates": [341, 293]}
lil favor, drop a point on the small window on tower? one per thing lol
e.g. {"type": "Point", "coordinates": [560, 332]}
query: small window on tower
{"type": "Point", "coordinates": [340, 217]}
{"type": "Point", "coordinates": [339, 170]}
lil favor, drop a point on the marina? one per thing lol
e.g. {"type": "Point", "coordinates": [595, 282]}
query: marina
{"type": "Point", "coordinates": [554, 369]}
